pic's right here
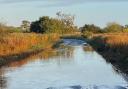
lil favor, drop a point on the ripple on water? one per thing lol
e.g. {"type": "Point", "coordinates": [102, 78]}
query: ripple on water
{"type": "Point", "coordinates": [90, 87]}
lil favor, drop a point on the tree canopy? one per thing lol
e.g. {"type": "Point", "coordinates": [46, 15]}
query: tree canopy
{"type": "Point", "coordinates": [113, 27]}
{"type": "Point", "coordinates": [90, 28]}
{"type": "Point", "coordinates": [25, 26]}
{"type": "Point", "coordinates": [63, 24]}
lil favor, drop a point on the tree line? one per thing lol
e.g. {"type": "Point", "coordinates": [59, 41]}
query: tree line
{"type": "Point", "coordinates": [63, 23]}
{"type": "Point", "coordinates": [110, 28]}
{"type": "Point", "coordinates": [90, 29]}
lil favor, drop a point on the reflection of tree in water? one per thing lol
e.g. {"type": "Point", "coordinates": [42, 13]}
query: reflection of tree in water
{"type": "Point", "coordinates": [45, 55]}
{"type": "Point", "coordinates": [42, 56]}
{"type": "Point", "coordinates": [65, 51]}
{"type": "Point", "coordinates": [3, 80]}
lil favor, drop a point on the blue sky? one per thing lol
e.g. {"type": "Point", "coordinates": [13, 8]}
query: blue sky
{"type": "Point", "coordinates": [98, 12]}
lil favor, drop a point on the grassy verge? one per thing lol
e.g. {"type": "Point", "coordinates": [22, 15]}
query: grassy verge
{"type": "Point", "coordinates": [15, 46]}
{"type": "Point", "coordinates": [21, 42]}
{"type": "Point", "coordinates": [114, 48]}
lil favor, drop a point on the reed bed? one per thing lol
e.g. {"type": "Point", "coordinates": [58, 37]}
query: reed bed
{"type": "Point", "coordinates": [14, 43]}
{"type": "Point", "coordinates": [114, 46]}
{"type": "Point", "coordinates": [112, 39]}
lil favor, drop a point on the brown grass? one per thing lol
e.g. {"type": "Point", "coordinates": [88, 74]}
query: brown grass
{"type": "Point", "coordinates": [113, 45]}
{"type": "Point", "coordinates": [14, 43]}
{"type": "Point", "coordinates": [118, 39]}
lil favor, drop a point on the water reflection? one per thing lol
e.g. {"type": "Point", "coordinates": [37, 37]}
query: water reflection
{"type": "Point", "coordinates": [3, 80]}
{"type": "Point", "coordinates": [119, 68]}
{"type": "Point", "coordinates": [88, 49]}
{"type": "Point", "coordinates": [89, 87]}
{"type": "Point", "coordinates": [65, 52]}
{"type": "Point", "coordinates": [67, 67]}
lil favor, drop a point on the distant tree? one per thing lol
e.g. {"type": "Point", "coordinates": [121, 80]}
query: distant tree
{"type": "Point", "coordinates": [66, 18]}
{"type": "Point", "coordinates": [125, 29]}
{"type": "Point", "coordinates": [35, 27]}
{"type": "Point", "coordinates": [25, 26]}
{"type": "Point", "coordinates": [113, 27]}
{"type": "Point", "coordinates": [45, 24]}
{"type": "Point", "coordinates": [126, 26]}
{"type": "Point", "coordinates": [90, 28]}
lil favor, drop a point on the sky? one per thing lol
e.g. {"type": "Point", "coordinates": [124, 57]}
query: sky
{"type": "Point", "coordinates": [99, 12]}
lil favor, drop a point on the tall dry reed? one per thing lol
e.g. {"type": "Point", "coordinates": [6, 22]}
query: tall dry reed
{"type": "Point", "coordinates": [14, 43]}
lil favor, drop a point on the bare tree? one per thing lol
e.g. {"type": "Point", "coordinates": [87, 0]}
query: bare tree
{"type": "Point", "coordinates": [68, 19]}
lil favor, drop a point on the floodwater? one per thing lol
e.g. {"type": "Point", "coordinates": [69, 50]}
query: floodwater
{"type": "Point", "coordinates": [74, 65]}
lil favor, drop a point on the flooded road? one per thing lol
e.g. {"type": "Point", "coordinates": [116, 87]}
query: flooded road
{"type": "Point", "coordinates": [74, 65]}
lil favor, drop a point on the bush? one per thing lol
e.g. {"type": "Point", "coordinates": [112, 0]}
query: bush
{"type": "Point", "coordinates": [91, 28]}
{"type": "Point", "coordinates": [113, 27]}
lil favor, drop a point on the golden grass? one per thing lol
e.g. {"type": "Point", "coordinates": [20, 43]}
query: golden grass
{"type": "Point", "coordinates": [14, 43]}
{"type": "Point", "coordinates": [117, 40]}
{"type": "Point", "coordinates": [114, 39]}
{"type": "Point", "coordinates": [112, 44]}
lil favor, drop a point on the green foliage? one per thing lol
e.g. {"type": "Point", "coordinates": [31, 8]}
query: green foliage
{"type": "Point", "coordinates": [125, 30]}
{"type": "Point", "coordinates": [25, 26]}
{"type": "Point", "coordinates": [113, 27]}
{"type": "Point", "coordinates": [35, 27]}
{"type": "Point", "coordinates": [46, 24]}
{"type": "Point", "coordinates": [91, 28]}
{"type": "Point", "coordinates": [51, 25]}
{"type": "Point", "coordinates": [110, 28]}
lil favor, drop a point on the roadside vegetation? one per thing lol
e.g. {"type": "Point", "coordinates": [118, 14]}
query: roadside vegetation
{"type": "Point", "coordinates": [15, 43]}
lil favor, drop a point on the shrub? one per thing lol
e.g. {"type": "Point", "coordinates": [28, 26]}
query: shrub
{"type": "Point", "coordinates": [113, 27]}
